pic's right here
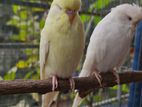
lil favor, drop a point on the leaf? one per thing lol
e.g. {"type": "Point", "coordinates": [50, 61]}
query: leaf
{"type": "Point", "coordinates": [38, 9]}
{"type": "Point", "coordinates": [15, 8]}
{"type": "Point", "coordinates": [14, 21]}
{"type": "Point", "coordinates": [23, 35]}
{"type": "Point", "coordinates": [85, 18]}
{"type": "Point", "coordinates": [114, 87]}
{"type": "Point", "coordinates": [1, 78]}
{"type": "Point", "coordinates": [42, 22]}
{"type": "Point", "coordinates": [98, 98]}
{"type": "Point", "coordinates": [23, 25]}
{"type": "Point", "coordinates": [125, 88]}
{"type": "Point", "coordinates": [23, 15]}
{"type": "Point", "coordinates": [97, 19]}
{"type": "Point", "coordinates": [29, 75]}
{"type": "Point", "coordinates": [99, 4]}
{"type": "Point", "coordinates": [22, 64]}
{"type": "Point", "coordinates": [14, 37]}
{"type": "Point", "coordinates": [28, 51]}
{"type": "Point", "coordinates": [10, 76]}
{"type": "Point", "coordinates": [13, 69]}
{"type": "Point", "coordinates": [35, 75]}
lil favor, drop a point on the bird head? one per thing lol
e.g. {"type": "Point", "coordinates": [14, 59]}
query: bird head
{"type": "Point", "coordinates": [71, 7]}
{"type": "Point", "coordinates": [131, 12]}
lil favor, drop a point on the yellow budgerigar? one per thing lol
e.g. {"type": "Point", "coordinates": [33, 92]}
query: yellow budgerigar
{"type": "Point", "coordinates": [61, 44]}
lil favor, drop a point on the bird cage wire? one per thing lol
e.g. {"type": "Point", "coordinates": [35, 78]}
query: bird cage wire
{"type": "Point", "coordinates": [20, 24]}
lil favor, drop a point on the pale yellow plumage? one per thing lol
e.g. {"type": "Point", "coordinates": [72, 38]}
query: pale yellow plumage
{"type": "Point", "coordinates": [61, 44]}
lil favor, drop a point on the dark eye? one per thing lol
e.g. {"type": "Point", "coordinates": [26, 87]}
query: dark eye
{"type": "Point", "coordinates": [130, 18]}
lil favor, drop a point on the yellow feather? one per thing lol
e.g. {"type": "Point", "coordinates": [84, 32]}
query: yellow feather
{"type": "Point", "coordinates": [61, 44]}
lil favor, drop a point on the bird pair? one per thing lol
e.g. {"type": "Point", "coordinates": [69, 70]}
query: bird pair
{"type": "Point", "coordinates": [62, 43]}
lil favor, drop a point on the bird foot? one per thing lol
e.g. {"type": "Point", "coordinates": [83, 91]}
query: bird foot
{"type": "Point", "coordinates": [98, 77]}
{"type": "Point", "coordinates": [117, 76]}
{"type": "Point", "coordinates": [54, 82]}
{"type": "Point", "coordinates": [72, 84]}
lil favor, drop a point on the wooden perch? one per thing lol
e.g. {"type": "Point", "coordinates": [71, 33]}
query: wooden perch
{"type": "Point", "coordinates": [82, 84]}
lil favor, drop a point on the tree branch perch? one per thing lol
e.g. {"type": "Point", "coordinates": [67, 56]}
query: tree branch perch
{"type": "Point", "coordinates": [82, 84]}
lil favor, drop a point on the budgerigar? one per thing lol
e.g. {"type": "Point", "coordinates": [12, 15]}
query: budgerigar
{"type": "Point", "coordinates": [110, 42]}
{"type": "Point", "coordinates": [61, 44]}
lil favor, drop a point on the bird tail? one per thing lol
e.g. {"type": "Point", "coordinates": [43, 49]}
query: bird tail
{"type": "Point", "coordinates": [77, 101]}
{"type": "Point", "coordinates": [48, 98]}
{"type": "Point", "coordinates": [84, 73]}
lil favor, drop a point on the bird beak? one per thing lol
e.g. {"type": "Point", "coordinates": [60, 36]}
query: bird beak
{"type": "Point", "coordinates": [71, 14]}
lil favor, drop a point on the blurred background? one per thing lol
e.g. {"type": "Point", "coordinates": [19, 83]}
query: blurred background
{"type": "Point", "coordinates": [20, 24]}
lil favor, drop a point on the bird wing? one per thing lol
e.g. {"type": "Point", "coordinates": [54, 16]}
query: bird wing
{"type": "Point", "coordinates": [44, 50]}
{"type": "Point", "coordinates": [46, 32]}
{"type": "Point", "coordinates": [97, 50]}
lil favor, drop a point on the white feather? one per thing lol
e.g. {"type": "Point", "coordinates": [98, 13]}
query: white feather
{"type": "Point", "coordinates": [110, 41]}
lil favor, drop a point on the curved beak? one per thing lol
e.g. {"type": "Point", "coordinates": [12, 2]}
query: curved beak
{"type": "Point", "coordinates": [71, 14]}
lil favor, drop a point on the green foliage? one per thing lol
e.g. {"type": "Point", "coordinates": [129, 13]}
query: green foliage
{"type": "Point", "coordinates": [11, 74]}
{"type": "Point", "coordinates": [125, 88]}
{"type": "Point", "coordinates": [32, 75]}
{"type": "Point", "coordinates": [1, 78]}
{"type": "Point", "coordinates": [26, 20]}
{"type": "Point", "coordinates": [42, 23]}
{"type": "Point", "coordinates": [15, 9]}
{"type": "Point", "coordinates": [97, 19]}
{"type": "Point", "coordinates": [85, 18]}
{"type": "Point", "coordinates": [99, 4]}
{"type": "Point", "coordinates": [30, 23]}
{"type": "Point", "coordinates": [22, 64]}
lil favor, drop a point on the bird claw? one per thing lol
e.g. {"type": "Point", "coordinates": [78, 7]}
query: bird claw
{"type": "Point", "coordinates": [117, 76]}
{"type": "Point", "coordinates": [54, 83]}
{"type": "Point", "coordinates": [98, 77]}
{"type": "Point", "coordinates": [72, 83]}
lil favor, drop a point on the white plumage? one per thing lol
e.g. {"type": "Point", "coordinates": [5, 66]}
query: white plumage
{"type": "Point", "coordinates": [110, 41]}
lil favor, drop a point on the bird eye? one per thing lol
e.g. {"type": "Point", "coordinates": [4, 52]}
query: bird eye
{"type": "Point", "coordinates": [130, 18]}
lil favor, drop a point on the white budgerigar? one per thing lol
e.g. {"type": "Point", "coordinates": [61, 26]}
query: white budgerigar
{"type": "Point", "coordinates": [110, 42]}
{"type": "Point", "coordinates": [61, 44]}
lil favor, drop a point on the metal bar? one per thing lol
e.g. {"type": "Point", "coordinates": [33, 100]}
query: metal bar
{"type": "Point", "coordinates": [135, 88]}
{"type": "Point", "coordinates": [110, 100]}
{"type": "Point", "coordinates": [26, 3]}
{"type": "Point", "coordinates": [105, 102]}
{"type": "Point", "coordinates": [17, 46]}
{"type": "Point", "coordinates": [98, 13]}
{"type": "Point", "coordinates": [45, 6]}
